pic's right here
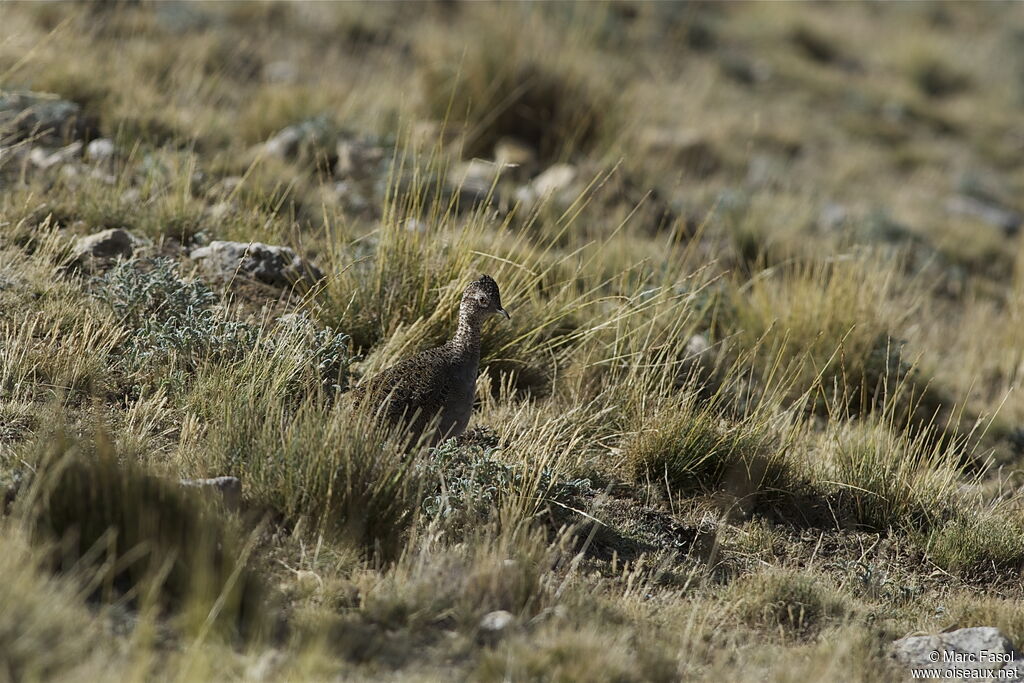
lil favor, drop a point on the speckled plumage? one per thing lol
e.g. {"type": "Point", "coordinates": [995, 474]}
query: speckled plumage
{"type": "Point", "coordinates": [440, 382]}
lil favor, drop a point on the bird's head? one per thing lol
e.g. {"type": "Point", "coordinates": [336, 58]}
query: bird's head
{"type": "Point", "coordinates": [483, 298]}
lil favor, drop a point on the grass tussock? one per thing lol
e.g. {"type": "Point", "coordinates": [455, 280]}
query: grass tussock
{"type": "Point", "coordinates": [140, 539]}
{"type": "Point", "coordinates": [495, 88]}
{"type": "Point", "coordinates": [788, 604]}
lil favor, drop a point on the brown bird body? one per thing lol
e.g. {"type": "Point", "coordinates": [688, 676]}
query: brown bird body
{"type": "Point", "coordinates": [440, 383]}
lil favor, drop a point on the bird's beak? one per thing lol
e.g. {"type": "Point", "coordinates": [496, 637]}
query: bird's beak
{"type": "Point", "coordinates": [504, 313]}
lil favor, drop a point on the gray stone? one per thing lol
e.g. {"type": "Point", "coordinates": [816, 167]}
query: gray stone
{"type": "Point", "coordinates": [109, 244]}
{"type": "Point", "coordinates": [558, 183]}
{"type": "Point", "coordinates": [494, 625]}
{"type": "Point", "coordinates": [42, 117]}
{"type": "Point", "coordinates": [100, 150]}
{"type": "Point", "coordinates": [270, 264]}
{"type": "Point", "coordinates": [229, 488]}
{"type": "Point", "coordinates": [556, 179]}
{"type": "Point", "coordinates": [1004, 219]}
{"type": "Point", "coordinates": [284, 144]}
{"type": "Point", "coordinates": [281, 71]}
{"type": "Point", "coordinates": [978, 649]}
{"type": "Point", "coordinates": [833, 217]}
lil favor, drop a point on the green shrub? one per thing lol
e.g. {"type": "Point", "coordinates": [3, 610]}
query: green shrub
{"type": "Point", "coordinates": [471, 484]}
{"type": "Point", "coordinates": [173, 323]}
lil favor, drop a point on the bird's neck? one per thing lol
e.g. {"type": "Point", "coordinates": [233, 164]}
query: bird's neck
{"type": "Point", "coordinates": [467, 335]}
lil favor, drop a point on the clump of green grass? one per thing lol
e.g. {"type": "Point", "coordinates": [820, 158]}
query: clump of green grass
{"type": "Point", "coordinates": [584, 652]}
{"type": "Point", "coordinates": [692, 445]}
{"type": "Point", "coordinates": [788, 603]}
{"type": "Point", "coordinates": [885, 478]}
{"type": "Point", "coordinates": [831, 329]}
{"type": "Point", "coordinates": [139, 538]}
{"type": "Point", "coordinates": [325, 467]}
{"type": "Point", "coordinates": [978, 542]}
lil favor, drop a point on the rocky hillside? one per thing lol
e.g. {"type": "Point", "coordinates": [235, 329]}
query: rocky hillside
{"type": "Point", "coordinates": [757, 414]}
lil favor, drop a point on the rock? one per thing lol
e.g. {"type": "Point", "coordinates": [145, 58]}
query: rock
{"type": "Point", "coordinates": [221, 210]}
{"type": "Point", "coordinates": [131, 196]}
{"type": "Point", "coordinates": [474, 182]}
{"type": "Point", "coordinates": [229, 488]}
{"type": "Point", "coordinates": [104, 246]}
{"type": "Point", "coordinates": [698, 345]}
{"type": "Point", "coordinates": [1004, 219]}
{"type": "Point", "coordinates": [42, 117]}
{"type": "Point", "coordinates": [557, 183]}
{"type": "Point", "coordinates": [44, 159]}
{"type": "Point", "coordinates": [832, 217]}
{"type": "Point", "coordinates": [415, 225]}
{"type": "Point", "coordinates": [494, 625]}
{"type": "Point", "coordinates": [272, 265]}
{"type": "Point", "coordinates": [981, 650]}
{"type": "Point", "coordinates": [100, 150]}
{"type": "Point", "coordinates": [557, 178]}
{"type": "Point", "coordinates": [284, 144]}
{"type": "Point", "coordinates": [308, 141]}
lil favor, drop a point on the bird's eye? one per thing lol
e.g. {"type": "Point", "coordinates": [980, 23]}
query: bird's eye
{"type": "Point", "coordinates": [482, 300]}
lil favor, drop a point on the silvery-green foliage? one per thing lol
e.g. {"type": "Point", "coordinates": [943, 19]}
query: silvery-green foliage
{"type": "Point", "coordinates": [172, 321]}
{"type": "Point", "coordinates": [470, 482]}
{"type": "Point", "coordinates": [178, 323]}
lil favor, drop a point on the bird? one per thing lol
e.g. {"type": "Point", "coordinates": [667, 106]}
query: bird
{"type": "Point", "coordinates": [437, 386]}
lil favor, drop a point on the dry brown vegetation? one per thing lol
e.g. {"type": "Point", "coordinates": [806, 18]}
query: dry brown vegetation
{"type": "Point", "coordinates": [757, 414]}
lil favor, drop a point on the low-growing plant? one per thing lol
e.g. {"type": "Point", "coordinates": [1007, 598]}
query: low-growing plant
{"type": "Point", "coordinates": [472, 482]}
{"type": "Point", "coordinates": [787, 602]}
{"type": "Point", "coordinates": [978, 542]}
{"type": "Point", "coordinates": [173, 323]}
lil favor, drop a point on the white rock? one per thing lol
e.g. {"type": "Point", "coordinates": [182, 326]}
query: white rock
{"type": "Point", "coordinates": [981, 650]}
{"type": "Point", "coordinates": [557, 178]}
{"type": "Point", "coordinates": [494, 624]}
{"type": "Point", "coordinates": [43, 158]}
{"type": "Point", "coordinates": [100, 149]}
{"type": "Point", "coordinates": [112, 243]}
